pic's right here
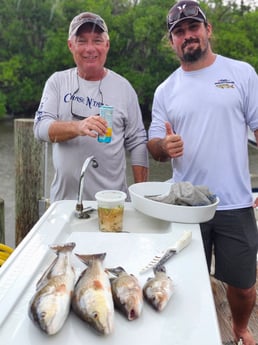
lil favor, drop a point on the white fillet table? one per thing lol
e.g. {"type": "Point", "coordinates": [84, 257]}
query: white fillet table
{"type": "Point", "coordinates": [189, 318]}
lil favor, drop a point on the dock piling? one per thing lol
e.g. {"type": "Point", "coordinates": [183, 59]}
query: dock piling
{"type": "Point", "coordinates": [28, 177]}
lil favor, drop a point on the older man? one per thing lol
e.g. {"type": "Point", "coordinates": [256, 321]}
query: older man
{"type": "Point", "coordinates": [68, 116]}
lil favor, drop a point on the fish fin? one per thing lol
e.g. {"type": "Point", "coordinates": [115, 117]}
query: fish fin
{"type": "Point", "coordinates": [44, 276]}
{"type": "Point", "coordinates": [57, 248]}
{"type": "Point", "coordinates": [63, 247]}
{"type": "Point", "coordinates": [88, 258]}
{"type": "Point", "coordinates": [116, 270]}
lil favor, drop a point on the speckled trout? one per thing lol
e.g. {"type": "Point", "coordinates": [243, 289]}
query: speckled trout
{"type": "Point", "coordinates": [92, 300]}
{"type": "Point", "coordinates": [127, 293]}
{"type": "Point", "coordinates": [50, 305]}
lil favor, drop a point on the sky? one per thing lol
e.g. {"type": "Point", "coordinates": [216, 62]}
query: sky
{"type": "Point", "coordinates": [253, 3]}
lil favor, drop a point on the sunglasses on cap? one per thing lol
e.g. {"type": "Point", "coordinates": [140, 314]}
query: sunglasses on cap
{"type": "Point", "coordinates": [180, 12]}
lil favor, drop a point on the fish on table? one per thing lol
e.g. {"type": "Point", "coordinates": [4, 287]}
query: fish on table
{"type": "Point", "coordinates": [92, 300]}
{"type": "Point", "coordinates": [51, 303]}
{"type": "Point", "coordinates": [127, 293]}
{"type": "Point", "coordinates": [158, 289]}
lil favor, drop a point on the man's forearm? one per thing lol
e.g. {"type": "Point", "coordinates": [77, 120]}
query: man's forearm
{"type": "Point", "coordinates": [156, 150]}
{"type": "Point", "coordinates": [140, 173]}
{"type": "Point", "coordinates": [62, 131]}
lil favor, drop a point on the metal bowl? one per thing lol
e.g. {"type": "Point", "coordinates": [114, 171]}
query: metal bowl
{"type": "Point", "coordinates": [167, 212]}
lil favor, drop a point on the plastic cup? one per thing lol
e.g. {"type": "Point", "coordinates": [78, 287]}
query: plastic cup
{"type": "Point", "coordinates": [110, 210]}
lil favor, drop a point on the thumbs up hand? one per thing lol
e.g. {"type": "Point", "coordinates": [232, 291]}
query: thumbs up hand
{"type": "Point", "coordinates": [172, 144]}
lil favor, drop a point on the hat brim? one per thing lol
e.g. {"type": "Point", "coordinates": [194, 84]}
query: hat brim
{"type": "Point", "coordinates": [185, 18]}
{"type": "Point", "coordinates": [87, 21]}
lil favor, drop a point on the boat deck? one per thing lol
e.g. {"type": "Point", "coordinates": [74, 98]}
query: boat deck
{"type": "Point", "coordinates": [223, 311]}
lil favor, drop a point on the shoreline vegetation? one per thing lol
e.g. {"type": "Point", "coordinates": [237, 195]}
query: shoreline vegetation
{"type": "Point", "coordinates": [139, 52]}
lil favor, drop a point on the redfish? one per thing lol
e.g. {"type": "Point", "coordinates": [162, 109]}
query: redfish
{"type": "Point", "coordinates": [50, 305]}
{"type": "Point", "coordinates": [159, 289]}
{"type": "Point", "coordinates": [127, 293]}
{"type": "Point", "coordinates": [92, 300]}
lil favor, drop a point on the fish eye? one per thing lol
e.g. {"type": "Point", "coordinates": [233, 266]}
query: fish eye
{"type": "Point", "coordinates": [43, 315]}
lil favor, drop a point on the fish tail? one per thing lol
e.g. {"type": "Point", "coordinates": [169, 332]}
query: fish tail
{"type": "Point", "coordinates": [87, 258]}
{"type": "Point", "coordinates": [159, 268]}
{"type": "Point", "coordinates": [67, 247]}
{"type": "Point", "coordinates": [116, 270]}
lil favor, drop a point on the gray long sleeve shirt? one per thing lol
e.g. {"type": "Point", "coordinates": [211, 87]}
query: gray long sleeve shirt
{"type": "Point", "coordinates": [66, 94]}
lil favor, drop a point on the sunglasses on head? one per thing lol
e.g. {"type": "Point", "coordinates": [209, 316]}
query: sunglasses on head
{"type": "Point", "coordinates": [185, 11]}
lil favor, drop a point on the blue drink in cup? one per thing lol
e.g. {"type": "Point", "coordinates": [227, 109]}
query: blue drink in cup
{"type": "Point", "coordinates": [107, 113]}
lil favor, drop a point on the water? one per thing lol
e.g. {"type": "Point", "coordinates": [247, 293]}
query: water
{"type": "Point", "coordinates": [7, 178]}
{"type": "Point", "coordinates": [158, 172]}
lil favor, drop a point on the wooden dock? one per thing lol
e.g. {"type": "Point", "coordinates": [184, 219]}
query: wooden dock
{"type": "Point", "coordinates": [224, 315]}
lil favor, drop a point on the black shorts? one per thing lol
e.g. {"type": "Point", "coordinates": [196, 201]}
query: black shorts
{"type": "Point", "coordinates": [233, 236]}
